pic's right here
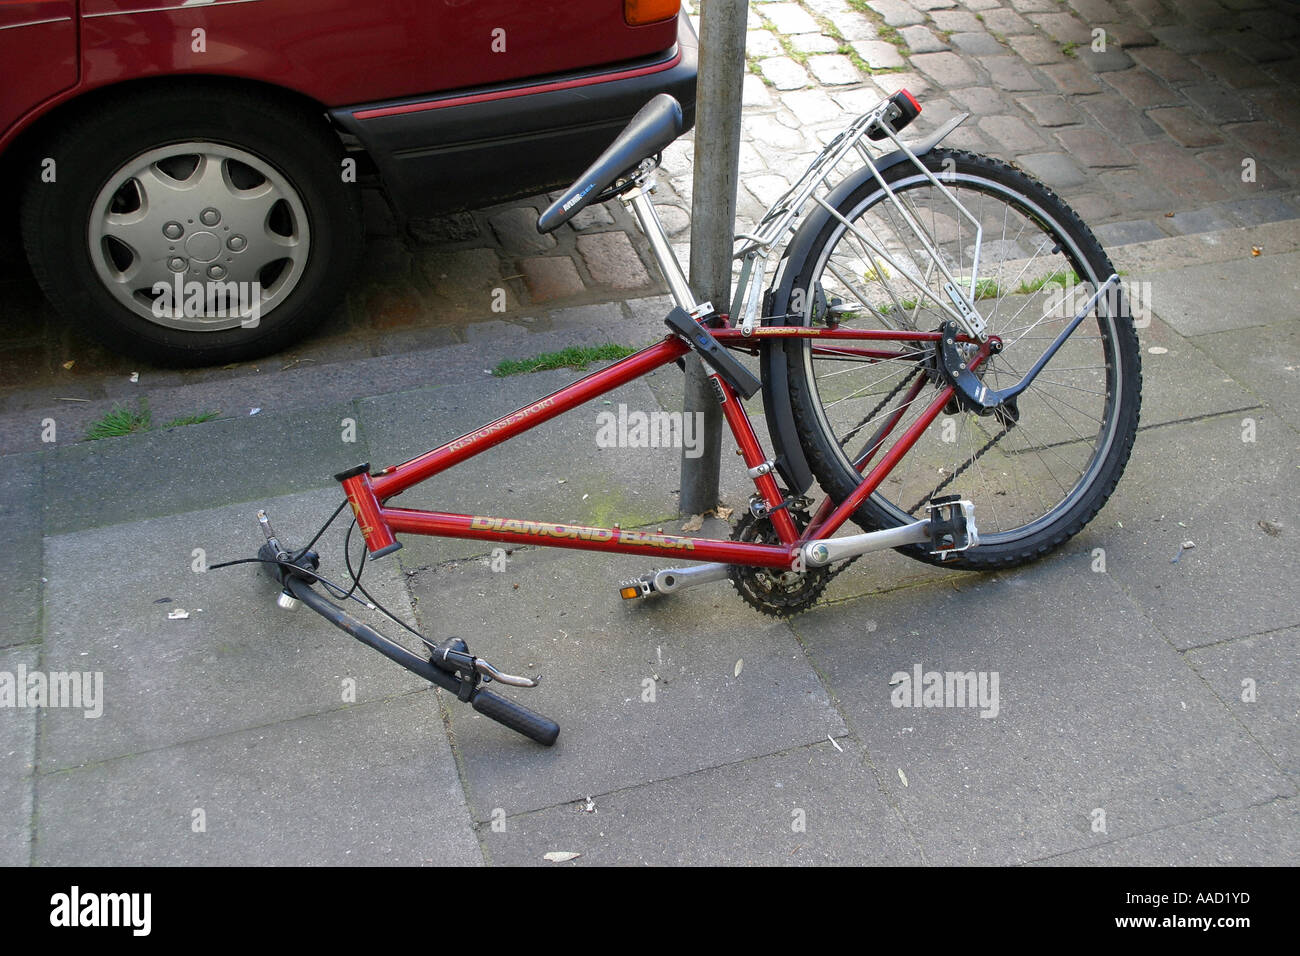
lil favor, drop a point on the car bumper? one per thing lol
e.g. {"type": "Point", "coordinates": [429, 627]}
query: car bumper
{"type": "Point", "coordinates": [473, 148]}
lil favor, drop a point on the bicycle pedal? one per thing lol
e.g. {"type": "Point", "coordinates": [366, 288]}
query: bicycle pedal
{"type": "Point", "coordinates": [637, 588]}
{"type": "Point", "coordinates": [952, 525]}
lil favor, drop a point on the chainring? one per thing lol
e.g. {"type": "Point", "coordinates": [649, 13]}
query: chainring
{"type": "Point", "coordinates": [772, 591]}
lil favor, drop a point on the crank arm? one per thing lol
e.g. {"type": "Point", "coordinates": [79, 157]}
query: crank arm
{"type": "Point", "coordinates": [818, 554]}
{"type": "Point", "coordinates": [950, 528]}
{"type": "Point", "coordinates": [673, 579]}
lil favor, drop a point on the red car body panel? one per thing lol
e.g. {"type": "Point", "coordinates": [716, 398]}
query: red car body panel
{"type": "Point", "coordinates": [337, 52]}
{"type": "Point", "coordinates": [38, 59]}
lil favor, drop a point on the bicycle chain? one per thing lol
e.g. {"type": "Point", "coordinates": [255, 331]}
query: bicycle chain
{"type": "Point", "coordinates": [833, 573]}
{"type": "Point", "coordinates": [938, 488]}
{"type": "Point", "coordinates": [962, 468]}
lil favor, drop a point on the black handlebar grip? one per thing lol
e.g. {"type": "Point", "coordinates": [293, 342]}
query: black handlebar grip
{"type": "Point", "coordinates": [519, 719]}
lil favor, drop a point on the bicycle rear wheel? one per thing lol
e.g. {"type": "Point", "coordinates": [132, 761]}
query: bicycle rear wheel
{"type": "Point", "coordinates": [1035, 482]}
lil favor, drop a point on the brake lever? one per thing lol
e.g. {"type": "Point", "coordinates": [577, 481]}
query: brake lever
{"type": "Point", "coordinates": [487, 670]}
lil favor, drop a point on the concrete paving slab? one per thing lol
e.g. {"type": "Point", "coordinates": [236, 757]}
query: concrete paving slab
{"type": "Point", "coordinates": [1181, 381]}
{"type": "Point", "coordinates": [1208, 299]}
{"type": "Point", "coordinates": [806, 806]}
{"type": "Point", "coordinates": [1199, 482]}
{"type": "Point", "coordinates": [91, 484]}
{"type": "Point", "coordinates": [1267, 835]}
{"type": "Point", "coordinates": [368, 785]}
{"type": "Point", "coordinates": [1259, 679]}
{"type": "Point", "coordinates": [20, 558]}
{"type": "Point", "coordinates": [17, 763]}
{"type": "Point", "coordinates": [1096, 711]}
{"type": "Point", "coordinates": [235, 663]}
{"type": "Point", "coordinates": [1266, 360]}
{"type": "Point", "coordinates": [1171, 254]}
{"type": "Point", "coordinates": [601, 660]}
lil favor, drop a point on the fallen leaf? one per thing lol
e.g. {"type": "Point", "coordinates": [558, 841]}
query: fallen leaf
{"type": "Point", "coordinates": [723, 512]}
{"type": "Point", "coordinates": [693, 523]}
{"type": "Point", "coordinates": [560, 856]}
{"type": "Point", "coordinates": [1255, 250]}
{"type": "Point", "coordinates": [68, 364]}
{"type": "Point", "coordinates": [1270, 528]}
{"type": "Point", "coordinates": [902, 776]}
{"type": "Point", "coordinates": [740, 666]}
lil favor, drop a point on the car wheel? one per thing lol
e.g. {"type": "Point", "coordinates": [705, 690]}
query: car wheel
{"type": "Point", "coordinates": [199, 228]}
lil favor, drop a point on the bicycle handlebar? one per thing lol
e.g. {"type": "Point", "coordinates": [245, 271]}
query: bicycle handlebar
{"type": "Point", "coordinates": [518, 718]}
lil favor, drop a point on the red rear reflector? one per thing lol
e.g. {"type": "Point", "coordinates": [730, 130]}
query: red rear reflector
{"type": "Point", "coordinates": [911, 99]}
{"type": "Point", "coordinates": [639, 12]}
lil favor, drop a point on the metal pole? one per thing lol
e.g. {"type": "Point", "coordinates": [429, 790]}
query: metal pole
{"type": "Point", "coordinates": [713, 218]}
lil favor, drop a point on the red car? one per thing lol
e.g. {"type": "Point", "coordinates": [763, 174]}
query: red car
{"type": "Point", "coordinates": [191, 171]}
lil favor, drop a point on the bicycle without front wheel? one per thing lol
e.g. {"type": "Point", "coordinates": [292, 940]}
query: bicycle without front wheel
{"type": "Point", "coordinates": [934, 320]}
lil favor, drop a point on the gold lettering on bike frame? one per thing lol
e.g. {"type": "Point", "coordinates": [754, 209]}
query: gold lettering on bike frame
{"type": "Point", "coordinates": [496, 426]}
{"type": "Point", "coordinates": [551, 530]}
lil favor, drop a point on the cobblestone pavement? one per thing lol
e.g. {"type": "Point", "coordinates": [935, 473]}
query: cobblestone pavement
{"type": "Point", "coordinates": [1151, 118]}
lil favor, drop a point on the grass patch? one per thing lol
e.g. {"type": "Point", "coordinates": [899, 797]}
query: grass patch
{"type": "Point", "coordinates": [907, 304]}
{"type": "Point", "coordinates": [891, 35]}
{"type": "Point", "coordinates": [577, 356]}
{"type": "Point", "coordinates": [791, 52]}
{"type": "Point", "coordinates": [121, 421]}
{"type": "Point", "coordinates": [130, 421]}
{"type": "Point", "coordinates": [884, 32]}
{"type": "Point", "coordinates": [1069, 48]}
{"type": "Point", "coordinates": [190, 419]}
{"type": "Point", "coordinates": [751, 63]}
{"type": "Point", "coordinates": [1062, 277]}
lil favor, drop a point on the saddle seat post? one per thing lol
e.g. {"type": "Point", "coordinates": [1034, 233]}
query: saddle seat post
{"type": "Point", "coordinates": [648, 219]}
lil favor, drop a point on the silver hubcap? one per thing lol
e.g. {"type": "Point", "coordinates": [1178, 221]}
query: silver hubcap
{"type": "Point", "coordinates": [199, 236]}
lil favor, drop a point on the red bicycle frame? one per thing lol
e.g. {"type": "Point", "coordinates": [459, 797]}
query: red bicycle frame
{"type": "Point", "coordinates": [380, 524]}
